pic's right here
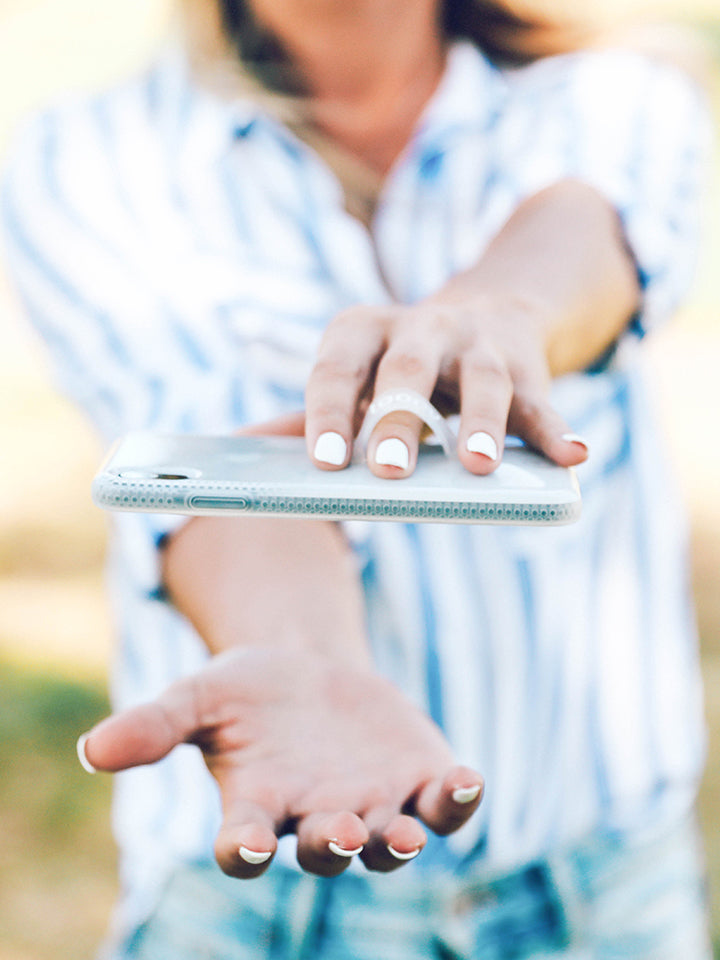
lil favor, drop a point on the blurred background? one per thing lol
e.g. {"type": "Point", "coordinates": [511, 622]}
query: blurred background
{"type": "Point", "coordinates": [57, 880]}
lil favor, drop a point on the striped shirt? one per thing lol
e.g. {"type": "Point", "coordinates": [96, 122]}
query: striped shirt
{"type": "Point", "coordinates": [180, 255]}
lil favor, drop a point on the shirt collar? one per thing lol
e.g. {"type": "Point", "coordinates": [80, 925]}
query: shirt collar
{"type": "Point", "coordinates": [469, 95]}
{"type": "Point", "coordinates": [199, 108]}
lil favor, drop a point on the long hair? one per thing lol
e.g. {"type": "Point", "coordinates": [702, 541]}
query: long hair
{"type": "Point", "coordinates": [508, 36]}
{"type": "Point", "coordinates": [505, 35]}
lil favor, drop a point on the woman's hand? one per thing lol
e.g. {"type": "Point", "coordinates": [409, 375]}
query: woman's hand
{"type": "Point", "coordinates": [300, 743]}
{"type": "Point", "coordinates": [485, 359]}
{"type": "Point", "coordinates": [551, 293]}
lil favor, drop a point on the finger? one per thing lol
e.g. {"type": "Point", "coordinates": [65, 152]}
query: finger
{"type": "Point", "coordinates": [446, 803]}
{"type": "Point", "coordinates": [345, 363]}
{"type": "Point", "coordinates": [246, 842]}
{"type": "Point", "coordinates": [327, 842]}
{"type": "Point", "coordinates": [143, 734]}
{"type": "Point", "coordinates": [395, 839]}
{"type": "Point", "coordinates": [486, 391]}
{"type": "Point", "coordinates": [410, 364]}
{"type": "Point", "coordinates": [534, 420]}
{"type": "Point", "coordinates": [288, 425]}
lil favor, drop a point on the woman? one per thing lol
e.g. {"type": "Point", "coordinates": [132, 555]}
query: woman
{"type": "Point", "coordinates": [390, 208]}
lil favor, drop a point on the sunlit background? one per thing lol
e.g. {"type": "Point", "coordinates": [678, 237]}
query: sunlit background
{"type": "Point", "coordinates": [57, 879]}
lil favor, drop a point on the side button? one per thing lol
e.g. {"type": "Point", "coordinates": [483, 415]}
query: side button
{"type": "Point", "coordinates": [218, 503]}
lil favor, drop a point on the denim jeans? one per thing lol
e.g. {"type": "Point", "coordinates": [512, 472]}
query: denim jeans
{"type": "Point", "coordinates": [606, 900]}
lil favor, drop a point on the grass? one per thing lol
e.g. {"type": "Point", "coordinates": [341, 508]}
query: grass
{"type": "Point", "coordinates": [58, 883]}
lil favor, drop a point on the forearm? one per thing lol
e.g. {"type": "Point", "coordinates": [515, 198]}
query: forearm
{"type": "Point", "coordinates": [560, 260]}
{"type": "Point", "coordinates": [276, 581]}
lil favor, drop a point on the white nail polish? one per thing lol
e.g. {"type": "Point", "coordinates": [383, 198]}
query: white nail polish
{"type": "Point", "coordinates": [330, 448]}
{"type": "Point", "coordinates": [575, 438]}
{"type": "Point", "coordinates": [483, 443]}
{"type": "Point", "coordinates": [341, 851]}
{"type": "Point", "coordinates": [466, 794]}
{"type": "Point", "coordinates": [82, 756]}
{"type": "Point", "coordinates": [393, 453]}
{"type": "Point", "coordinates": [255, 857]}
{"type": "Point", "coordinates": [410, 855]}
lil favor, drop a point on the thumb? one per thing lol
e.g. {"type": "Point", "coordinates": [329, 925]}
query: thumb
{"type": "Point", "coordinates": [142, 734]}
{"type": "Point", "coordinates": [288, 425]}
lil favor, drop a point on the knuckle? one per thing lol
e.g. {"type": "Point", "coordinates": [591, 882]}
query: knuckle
{"type": "Point", "coordinates": [399, 315]}
{"type": "Point", "coordinates": [349, 316]}
{"type": "Point", "coordinates": [405, 362]}
{"type": "Point", "coordinates": [431, 324]}
{"type": "Point", "coordinates": [486, 366]}
{"type": "Point", "coordinates": [338, 367]}
{"type": "Point", "coordinates": [445, 322]}
{"type": "Point", "coordinates": [350, 319]}
{"type": "Point", "coordinates": [326, 412]}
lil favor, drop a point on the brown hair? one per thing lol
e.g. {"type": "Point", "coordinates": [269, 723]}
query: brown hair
{"type": "Point", "coordinates": [508, 36]}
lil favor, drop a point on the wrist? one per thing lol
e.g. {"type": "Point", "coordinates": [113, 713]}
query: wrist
{"type": "Point", "coordinates": [264, 582]}
{"type": "Point", "coordinates": [298, 649]}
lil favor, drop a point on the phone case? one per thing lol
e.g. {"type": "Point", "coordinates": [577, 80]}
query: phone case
{"type": "Point", "coordinates": [273, 476]}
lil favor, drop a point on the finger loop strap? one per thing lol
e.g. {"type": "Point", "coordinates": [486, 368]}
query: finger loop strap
{"type": "Point", "coordinates": [407, 401]}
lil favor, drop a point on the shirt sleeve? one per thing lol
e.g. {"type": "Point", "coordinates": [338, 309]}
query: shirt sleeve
{"type": "Point", "coordinates": [64, 243]}
{"type": "Point", "coordinates": [638, 131]}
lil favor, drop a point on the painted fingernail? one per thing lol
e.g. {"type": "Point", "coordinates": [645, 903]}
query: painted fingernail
{"type": "Point", "coordinates": [330, 448]}
{"type": "Point", "coordinates": [393, 453]}
{"type": "Point", "coordinates": [82, 756]}
{"type": "Point", "coordinates": [575, 438]}
{"type": "Point", "coordinates": [466, 794]}
{"type": "Point", "coordinates": [483, 443]}
{"type": "Point", "coordinates": [255, 856]}
{"type": "Point", "coordinates": [399, 855]}
{"type": "Point", "coordinates": [341, 851]}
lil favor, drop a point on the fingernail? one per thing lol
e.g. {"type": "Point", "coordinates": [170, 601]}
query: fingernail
{"type": "Point", "coordinates": [82, 756]}
{"type": "Point", "coordinates": [393, 453]}
{"type": "Point", "coordinates": [330, 448]}
{"type": "Point", "coordinates": [255, 856]}
{"type": "Point", "coordinates": [483, 443]}
{"type": "Point", "coordinates": [341, 851]}
{"type": "Point", "coordinates": [410, 855]}
{"type": "Point", "coordinates": [575, 438]}
{"type": "Point", "coordinates": [466, 794]}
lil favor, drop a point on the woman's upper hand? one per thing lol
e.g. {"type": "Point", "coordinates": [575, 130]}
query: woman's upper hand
{"type": "Point", "coordinates": [485, 360]}
{"type": "Point", "coordinates": [552, 291]}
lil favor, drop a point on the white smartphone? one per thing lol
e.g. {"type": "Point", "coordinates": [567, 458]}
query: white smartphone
{"type": "Point", "coordinates": [273, 476]}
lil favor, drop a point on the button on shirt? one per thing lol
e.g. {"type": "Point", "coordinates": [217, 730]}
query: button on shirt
{"type": "Point", "coordinates": [180, 255]}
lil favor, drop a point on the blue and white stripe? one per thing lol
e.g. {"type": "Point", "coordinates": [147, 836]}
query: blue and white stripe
{"type": "Point", "coordinates": [181, 256]}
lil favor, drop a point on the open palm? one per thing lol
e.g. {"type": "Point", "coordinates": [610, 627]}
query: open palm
{"type": "Point", "coordinates": [300, 744]}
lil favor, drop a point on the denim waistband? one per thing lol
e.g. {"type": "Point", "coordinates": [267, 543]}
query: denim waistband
{"type": "Point", "coordinates": [607, 899]}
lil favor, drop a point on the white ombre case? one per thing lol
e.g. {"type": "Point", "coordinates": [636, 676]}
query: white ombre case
{"type": "Point", "coordinates": [273, 476]}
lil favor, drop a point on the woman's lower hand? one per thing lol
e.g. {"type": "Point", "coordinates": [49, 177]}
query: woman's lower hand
{"type": "Point", "coordinates": [300, 744]}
